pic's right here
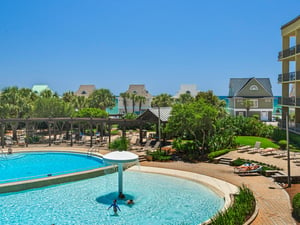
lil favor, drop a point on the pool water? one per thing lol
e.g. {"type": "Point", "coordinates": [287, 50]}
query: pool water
{"type": "Point", "coordinates": [159, 199]}
{"type": "Point", "coordinates": [24, 166]}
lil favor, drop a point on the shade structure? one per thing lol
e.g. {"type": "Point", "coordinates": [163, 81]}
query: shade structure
{"type": "Point", "coordinates": [119, 158]}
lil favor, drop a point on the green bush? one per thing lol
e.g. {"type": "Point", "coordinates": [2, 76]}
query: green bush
{"type": "Point", "coordinates": [296, 206]}
{"type": "Point", "coordinates": [282, 144]}
{"type": "Point", "coordinates": [159, 155]}
{"type": "Point", "coordinates": [114, 132]}
{"type": "Point", "coordinates": [119, 144]}
{"type": "Point", "coordinates": [215, 154]}
{"type": "Point", "coordinates": [241, 209]}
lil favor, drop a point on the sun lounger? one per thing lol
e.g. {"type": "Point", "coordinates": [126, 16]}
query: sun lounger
{"type": "Point", "coordinates": [255, 149]}
{"type": "Point", "coordinates": [146, 146]}
{"type": "Point", "coordinates": [268, 151]}
{"type": "Point", "coordinates": [280, 155]}
{"type": "Point", "coordinates": [155, 147]}
{"type": "Point", "coordinates": [243, 148]}
{"type": "Point", "coordinates": [248, 169]}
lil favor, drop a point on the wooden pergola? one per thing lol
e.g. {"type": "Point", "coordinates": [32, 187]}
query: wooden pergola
{"type": "Point", "coordinates": [92, 122]}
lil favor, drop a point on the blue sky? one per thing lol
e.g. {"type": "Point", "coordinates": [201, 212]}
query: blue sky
{"type": "Point", "coordinates": [159, 43]}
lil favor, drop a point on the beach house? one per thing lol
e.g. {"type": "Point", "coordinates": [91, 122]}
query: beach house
{"type": "Point", "coordinates": [251, 96]}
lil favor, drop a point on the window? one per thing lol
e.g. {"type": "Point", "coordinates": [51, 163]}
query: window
{"type": "Point", "coordinates": [254, 103]}
{"type": "Point", "coordinates": [83, 93]}
{"type": "Point", "coordinates": [253, 88]}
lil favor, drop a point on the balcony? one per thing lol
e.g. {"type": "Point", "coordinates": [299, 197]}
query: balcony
{"type": "Point", "coordinates": [292, 101]}
{"type": "Point", "coordinates": [292, 76]}
{"type": "Point", "coordinates": [293, 127]}
{"type": "Point", "coordinates": [289, 52]}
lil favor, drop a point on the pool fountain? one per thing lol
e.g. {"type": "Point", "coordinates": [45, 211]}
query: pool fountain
{"type": "Point", "coordinates": [119, 158]}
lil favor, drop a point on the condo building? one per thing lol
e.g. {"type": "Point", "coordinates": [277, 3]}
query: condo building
{"type": "Point", "coordinates": [289, 78]}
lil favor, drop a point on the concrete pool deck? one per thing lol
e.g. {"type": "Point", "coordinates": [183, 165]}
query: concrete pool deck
{"type": "Point", "coordinates": [273, 201]}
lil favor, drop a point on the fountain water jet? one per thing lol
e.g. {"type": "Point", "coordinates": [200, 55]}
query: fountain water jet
{"type": "Point", "coordinates": [119, 158]}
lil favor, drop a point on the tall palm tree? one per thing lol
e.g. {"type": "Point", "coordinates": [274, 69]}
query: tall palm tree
{"type": "Point", "coordinates": [162, 100]}
{"type": "Point", "coordinates": [134, 98]}
{"type": "Point", "coordinates": [125, 96]}
{"type": "Point", "coordinates": [248, 104]}
{"type": "Point", "coordinates": [141, 100]}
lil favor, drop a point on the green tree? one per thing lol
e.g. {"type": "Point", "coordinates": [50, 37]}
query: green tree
{"type": "Point", "coordinates": [133, 98]}
{"type": "Point", "coordinates": [194, 121]}
{"type": "Point", "coordinates": [213, 100]}
{"type": "Point", "coordinates": [52, 107]}
{"type": "Point", "coordinates": [91, 112]}
{"type": "Point", "coordinates": [162, 100]}
{"type": "Point", "coordinates": [248, 104]}
{"type": "Point", "coordinates": [185, 98]}
{"type": "Point", "coordinates": [101, 98]}
{"type": "Point", "coordinates": [68, 96]}
{"type": "Point", "coordinates": [141, 100]}
{"type": "Point", "coordinates": [80, 102]}
{"type": "Point", "coordinates": [125, 96]}
{"type": "Point", "coordinates": [16, 103]}
{"type": "Point", "coordinates": [47, 93]}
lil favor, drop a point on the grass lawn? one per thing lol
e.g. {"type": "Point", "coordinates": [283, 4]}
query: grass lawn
{"type": "Point", "coordinates": [250, 140]}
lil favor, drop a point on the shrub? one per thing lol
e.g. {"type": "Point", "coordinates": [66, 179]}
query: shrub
{"type": "Point", "coordinates": [119, 144]}
{"type": "Point", "coordinates": [159, 155]}
{"type": "Point", "coordinates": [296, 206]}
{"type": "Point", "coordinates": [282, 144]}
{"type": "Point", "coordinates": [241, 209]}
{"type": "Point", "coordinates": [215, 154]}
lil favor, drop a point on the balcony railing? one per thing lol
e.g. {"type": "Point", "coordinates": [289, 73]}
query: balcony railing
{"type": "Point", "coordinates": [289, 52]}
{"type": "Point", "coordinates": [294, 127]}
{"type": "Point", "coordinates": [292, 76]}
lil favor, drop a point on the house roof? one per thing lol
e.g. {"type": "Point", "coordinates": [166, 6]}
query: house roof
{"type": "Point", "coordinates": [85, 90]}
{"type": "Point", "coordinates": [152, 114]}
{"type": "Point", "coordinates": [290, 22]}
{"type": "Point", "coordinates": [236, 84]}
{"type": "Point", "coordinates": [38, 88]}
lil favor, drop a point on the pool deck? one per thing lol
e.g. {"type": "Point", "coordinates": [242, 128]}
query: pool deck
{"type": "Point", "coordinates": [272, 200]}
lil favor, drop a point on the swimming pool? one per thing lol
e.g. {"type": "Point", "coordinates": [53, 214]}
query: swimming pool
{"type": "Point", "coordinates": [159, 199]}
{"type": "Point", "coordinates": [32, 165]}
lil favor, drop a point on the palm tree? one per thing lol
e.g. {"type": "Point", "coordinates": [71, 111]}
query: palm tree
{"type": "Point", "coordinates": [162, 100]}
{"type": "Point", "coordinates": [248, 104]}
{"type": "Point", "coordinates": [101, 98]}
{"type": "Point", "coordinates": [125, 96]}
{"type": "Point", "coordinates": [68, 96]}
{"type": "Point", "coordinates": [134, 98]}
{"type": "Point", "coordinates": [185, 98]}
{"type": "Point", "coordinates": [47, 93]}
{"type": "Point", "coordinates": [80, 102]}
{"type": "Point", "coordinates": [141, 100]}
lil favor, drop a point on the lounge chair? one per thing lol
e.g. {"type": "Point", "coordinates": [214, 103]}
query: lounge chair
{"type": "Point", "coordinates": [146, 146]}
{"type": "Point", "coordinates": [248, 168]}
{"type": "Point", "coordinates": [255, 149]}
{"type": "Point", "coordinates": [21, 141]}
{"type": "Point", "coordinates": [155, 147]}
{"type": "Point", "coordinates": [59, 140]}
{"type": "Point", "coordinates": [243, 148]}
{"type": "Point", "coordinates": [268, 151]}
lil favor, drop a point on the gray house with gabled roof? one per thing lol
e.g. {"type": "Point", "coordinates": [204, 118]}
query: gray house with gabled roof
{"type": "Point", "coordinates": [251, 96]}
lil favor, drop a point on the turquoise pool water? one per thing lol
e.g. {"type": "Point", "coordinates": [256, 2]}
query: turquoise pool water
{"type": "Point", "coordinates": [31, 165]}
{"type": "Point", "coordinates": [158, 200]}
